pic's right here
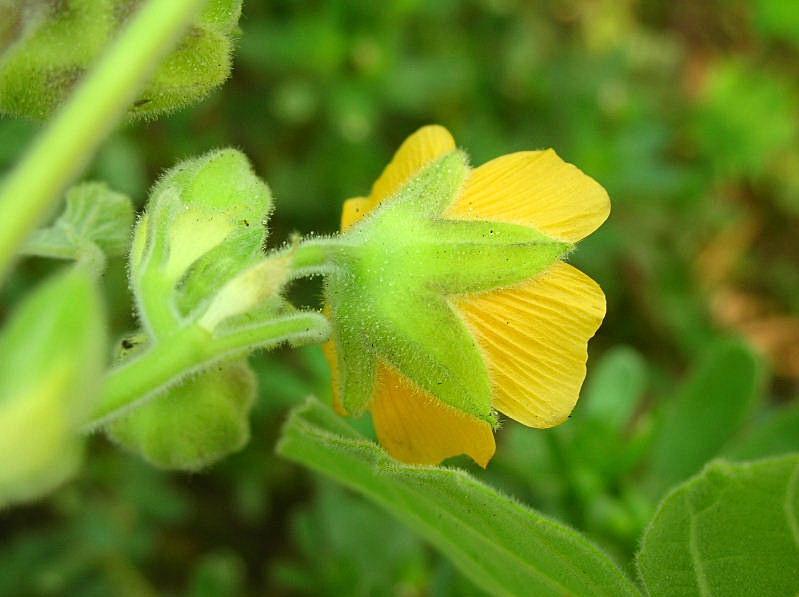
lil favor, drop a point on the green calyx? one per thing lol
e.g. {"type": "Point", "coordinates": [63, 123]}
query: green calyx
{"type": "Point", "coordinates": [396, 274]}
{"type": "Point", "coordinates": [51, 45]}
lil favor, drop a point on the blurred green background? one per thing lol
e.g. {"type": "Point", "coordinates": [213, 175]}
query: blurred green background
{"type": "Point", "coordinates": [685, 111]}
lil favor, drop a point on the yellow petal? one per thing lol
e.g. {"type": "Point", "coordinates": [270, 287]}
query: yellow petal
{"type": "Point", "coordinates": [416, 428]}
{"type": "Point", "coordinates": [421, 148]}
{"type": "Point", "coordinates": [534, 188]}
{"type": "Point", "coordinates": [354, 210]}
{"type": "Point", "coordinates": [534, 337]}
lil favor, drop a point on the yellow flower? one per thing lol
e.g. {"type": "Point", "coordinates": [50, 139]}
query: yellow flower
{"type": "Point", "coordinates": [532, 336]}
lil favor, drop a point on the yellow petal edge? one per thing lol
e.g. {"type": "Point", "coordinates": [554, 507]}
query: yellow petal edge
{"type": "Point", "coordinates": [417, 151]}
{"type": "Point", "coordinates": [536, 189]}
{"type": "Point", "coordinates": [416, 428]}
{"type": "Point", "coordinates": [535, 340]}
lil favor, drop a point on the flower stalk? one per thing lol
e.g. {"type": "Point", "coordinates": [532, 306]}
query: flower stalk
{"type": "Point", "coordinates": [65, 147]}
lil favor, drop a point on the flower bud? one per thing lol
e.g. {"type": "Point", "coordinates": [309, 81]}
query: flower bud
{"type": "Point", "coordinates": [205, 224]}
{"type": "Point", "coordinates": [46, 61]}
{"type": "Point", "coordinates": [51, 354]}
{"type": "Point", "coordinates": [194, 424]}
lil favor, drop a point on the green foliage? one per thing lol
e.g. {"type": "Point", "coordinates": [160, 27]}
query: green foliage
{"type": "Point", "coordinates": [195, 424]}
{"type": "Point", "coordinates": [349, 547]}
{"type": "Point", "coordinates": [746, 118]}
{"type": "Point", "coordinates": [777, 19]}
{"type": "Point", "coordinates": [502, 546]}
{"type": "Point", "coordinates": [51, 354]}
{"type": "Point", "coordinates": [49, 59]}
{"type": "Point", "coordinates": [95, 218]}
{"type": "Point", "coordinates": [615, 389]}
{"type": "Point", "coordinates": [777, 432]}
{"type": "Point", "coordinates": [732, 530]}
{"type": "Point", "coordinates": [709, 410]}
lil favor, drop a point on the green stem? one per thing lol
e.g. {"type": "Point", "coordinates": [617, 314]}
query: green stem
{"type": "Point", "coordinates": [72, 138]}
{"type": "Point", "coordinates": [314, 256]}
{"type": "Point", "coordinates": [190, 350]}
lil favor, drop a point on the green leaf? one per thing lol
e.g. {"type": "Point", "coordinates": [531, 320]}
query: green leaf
{"type": "Point", "coordinates": [51, 353]}
{"type": "Point", "coordinates": [777, 433]}
{"type": "Point", "coordinates": [732, 530]}
{"type": "Point", "coordinates": [614, 388]}
{"type": "Point", "coordinates": [601, 443]}
{"type": "Point", "coordinates": [94, 217]}
{"type": "Point", "coordinates": [709, 410]}
{"type": "Point", "coordinates": [502, 546]}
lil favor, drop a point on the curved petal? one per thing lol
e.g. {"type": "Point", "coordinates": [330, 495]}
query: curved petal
{"type": "Point", "coordinates": [534, 337]}
{"type": "Point", "coordinates": [354, 210]}
{"type": "Point", "coordinates": [534, 188]}
{"type": "Point", "coordinates": [417, 429]}
{"type": "Point", "coordinates": [417, 151]}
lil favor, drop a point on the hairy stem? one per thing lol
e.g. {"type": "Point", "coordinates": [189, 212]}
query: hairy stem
{"type": "Point", "coordinates": [193, 349]}
{"type": "Point", "coordinates": [62, 151]}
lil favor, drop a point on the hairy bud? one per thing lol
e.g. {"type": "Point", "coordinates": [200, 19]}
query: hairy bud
{"type": "Point", "coordinates": [194, 424]}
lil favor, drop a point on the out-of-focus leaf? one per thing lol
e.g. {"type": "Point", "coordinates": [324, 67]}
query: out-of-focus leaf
{"type": "Point", "coordinates": [730, 531]}
{"type": "Point", "coordinates": [349, 548]}
{"type": "Point", "coordinates": [51, 353]}
{"type": "Point", "coordinates": [777, 433]}
{"type": "Point", "coordinates": [746, 115]}
{"type": "Point", "coordinates": [614, 388]}
{"type": "Point", "coordinates": [707, 411]}
{"type": "Point", "coordinates": [777, 19]}
{"type": "Point", "coordinates": [94, 217]}
{"type": "Point", "coordinates": [218, 573]}
{"type": "Point", "coordinates": [502, 546]}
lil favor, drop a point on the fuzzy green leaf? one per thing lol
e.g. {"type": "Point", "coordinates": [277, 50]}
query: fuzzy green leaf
{"type": "Point", "coordinates": [95, 216]}
{"type": "Point", "coordinates": [731, 531]}
{"type": "Point", "coordinates": [502, 546]}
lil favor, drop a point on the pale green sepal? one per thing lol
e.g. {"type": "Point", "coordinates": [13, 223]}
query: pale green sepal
{"type": "Point", "coordinates": [733, 529]}
{"type": "Point", "coordinates": [502, 546]}
{"type": "Point", "coordinates": [194, 424]}
{"type": "Point", "coordinates": [248, 290]}
{"type": "Point", "coordinates": [51, 356]}
{"type": "Point", "coordinates": [94, 217]}
{"type": "Point", "coordinates": [215, 268]}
